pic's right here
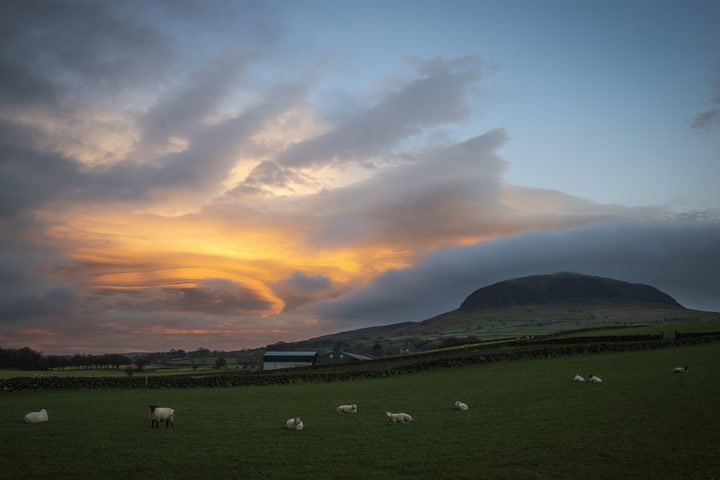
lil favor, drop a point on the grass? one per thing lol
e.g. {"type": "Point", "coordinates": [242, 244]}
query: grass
{"type": "Point", "coordinates": [668, 330]}
{"type": "Point", "coordinates": [527, 420]}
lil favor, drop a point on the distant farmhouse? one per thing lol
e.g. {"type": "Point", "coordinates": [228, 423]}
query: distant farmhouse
{"type": "Point", "coordinates": [275, 360]}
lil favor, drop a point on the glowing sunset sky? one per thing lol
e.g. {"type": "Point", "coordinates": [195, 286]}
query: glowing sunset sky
{"type": "Point", "coordinates": [229, 174]}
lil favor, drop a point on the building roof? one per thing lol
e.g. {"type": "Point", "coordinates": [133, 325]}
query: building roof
{"type": "Point", "coordinates": [358, 356]}
{"type": "Point", "coordinates": [291, 354]}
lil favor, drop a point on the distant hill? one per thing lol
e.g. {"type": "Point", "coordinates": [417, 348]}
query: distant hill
{"type": "Point", "coordinates": [565, 287]}
{"type": "Point", "coordinates": [533, 305]}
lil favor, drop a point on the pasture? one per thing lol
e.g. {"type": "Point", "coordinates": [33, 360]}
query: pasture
{"type": "Point", "coordinates": [527, 420]}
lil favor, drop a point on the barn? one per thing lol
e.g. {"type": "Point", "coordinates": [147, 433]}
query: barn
{"type": "Point", "coordinates": [275, 360]}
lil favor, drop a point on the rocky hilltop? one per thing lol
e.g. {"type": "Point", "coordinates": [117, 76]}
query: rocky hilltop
{"type": "Point", "coordinates": [564, 287]}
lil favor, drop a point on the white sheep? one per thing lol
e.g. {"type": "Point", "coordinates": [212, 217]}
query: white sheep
{"type": "Point", "coordinates": [164, 414]}
{"type": "Point", "coordinates": [578, 378]}
{"type": "Point", "coordinates": [347, 409]}
{"type": "Point", "coordinates": [294, 424]}
{"type": "Point", "coordinates": [399, 417]}
{"type": "Point", "coordinates": [460, 405]}
{"type": "Point", "coordinates": [37, 417]}
{"type": "Point", "coordinates": [680, 369]}
{"type": "Point", "coordinates": [595, 379]}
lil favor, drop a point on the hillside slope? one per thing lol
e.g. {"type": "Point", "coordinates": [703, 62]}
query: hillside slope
{"type": "Point", "coordinates": [541, 304]}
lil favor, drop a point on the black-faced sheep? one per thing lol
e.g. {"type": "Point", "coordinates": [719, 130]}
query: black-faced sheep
{"type": "Point", "coordinates": [460, 405]}
{"type": "Point", "coordinates": [595, 379]}
{"type": "Point", "coordinates": [164, 414]}
{"type": "Point", "coordinates": [294, 424]}
{"type": "Point", "coordinates": [347, 409]}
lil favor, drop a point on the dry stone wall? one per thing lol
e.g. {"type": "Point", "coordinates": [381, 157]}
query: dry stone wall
{"type": "Point", "coordinates": [371, 369]}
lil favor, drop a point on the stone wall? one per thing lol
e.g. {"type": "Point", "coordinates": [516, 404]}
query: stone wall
{"type": "Point", "coordinates": [371, 369]}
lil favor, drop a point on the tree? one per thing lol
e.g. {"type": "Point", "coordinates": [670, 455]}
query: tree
{"type": "Point", "coordinates": [140, 363]}
{"type": "Point", "coordinates": [220, 362]}
{"type": "Point", "coordinates": [202, 352]}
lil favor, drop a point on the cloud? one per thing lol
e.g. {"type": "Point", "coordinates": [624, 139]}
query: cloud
{"type": "Point", "coordinates": [678, 258]}
{"type": "Point", "coordinates": [55, 303]}
{"type": "Point", "coordinates": [217, 296]}
{"type": "Point", "coordinates": [100, 94]}
{"type": "Point", "coordinates": [300, 288]}
{"type": "Point", "coordinates": [436, 96]}
{"type": "Point", "coordinates": [48, 60]}
{"type": "Point", "coordinates": [705, 120]}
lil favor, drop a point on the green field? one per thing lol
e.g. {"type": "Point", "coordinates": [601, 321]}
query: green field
{"type": "Point", "coordinates": [667, 330]}
{"type": "Point", "coordinates": [151, 370]}
{"type": "Point", "coordinates": [527, 420]}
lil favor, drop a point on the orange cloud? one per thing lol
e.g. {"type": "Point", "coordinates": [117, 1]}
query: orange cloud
{"type": "Point", "coordinates": [36, 331]}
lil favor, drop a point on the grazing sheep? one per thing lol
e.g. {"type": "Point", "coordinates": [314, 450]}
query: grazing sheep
{"type": "Point", "coordinates": [294, 424]}
{"type": "Point", "coordinates": [347, 409]}
{"type": "Point", "coordinates": [460, 405]}
{"type": "Point", "coordinates": [399, 417]}
{"type": "Point", "coordinates": [595, 379]}
{"type": "Point", "coordinates": [157, 415]}
{"type": "Point", "coordinates": [37, 417]}
{"type": "Point", "coordinates": [578, 378]}
{"type": "Point", "coordinates": [680, 370]}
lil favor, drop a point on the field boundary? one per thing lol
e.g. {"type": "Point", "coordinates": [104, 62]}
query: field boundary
{"type": "Point", "coordinates": [371, 369]}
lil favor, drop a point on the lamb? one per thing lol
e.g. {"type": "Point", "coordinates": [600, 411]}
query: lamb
{"type": "Point", "coordinates": [578, 378]}
{"type": "Point", "coordinates": [347, 408]}
{"type": "Point", "coordinates": [399, 417]}
{"type": "Point", "coordinates": [37, 417]}
{"type": "Point", "coordinates": [595, 379]}
{"type": "Point", "coordinates": [460, 405]}
{"type": "Point", "coordinates": [294, 424]}
{"type": "Point", "coordinates": [680, 370]}
{"type": "Point", "coordinates": [164, 414]}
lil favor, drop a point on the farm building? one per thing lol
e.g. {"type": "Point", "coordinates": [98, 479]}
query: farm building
{"type": "Point", "coordinates": [343, 357]}
{"type": "Point", "coordinates": [275, 360]}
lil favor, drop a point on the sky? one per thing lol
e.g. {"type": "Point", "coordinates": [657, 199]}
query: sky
{"type": "Point", "coordinates": [181, 174]}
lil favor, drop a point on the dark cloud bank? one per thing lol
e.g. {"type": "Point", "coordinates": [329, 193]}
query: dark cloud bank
{"type": "Point", "coordinates": [679, 259]}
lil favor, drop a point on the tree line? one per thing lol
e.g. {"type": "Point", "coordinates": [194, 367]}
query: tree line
{"type": "Point", "coordinates": [28, 359]}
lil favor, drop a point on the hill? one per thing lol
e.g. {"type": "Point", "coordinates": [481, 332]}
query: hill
{"type": "Point", "coordinates": [565, 287]}
{"type": "Point", "coordinates": [533, 305]}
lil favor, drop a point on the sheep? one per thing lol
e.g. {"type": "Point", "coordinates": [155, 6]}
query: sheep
{"type": "Point", "coordinates": [347, 408]}
{"type": "Point", "coordinates": [680, 369]}
{"type": "Point", "coordinates": [294, 424]}
{"type": "Point", "coordinates": [460, 405]}
{"type": "Point", "coordinates": [164, 414]}
{"type": "Point", "coordinates": [37, 417]}
{"type": "Point", "coordinates": [578, 378]}
{"type": "Point", "coordinates": [399, 417]}
{"type": "Point", "coordinates": [595, 379]}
